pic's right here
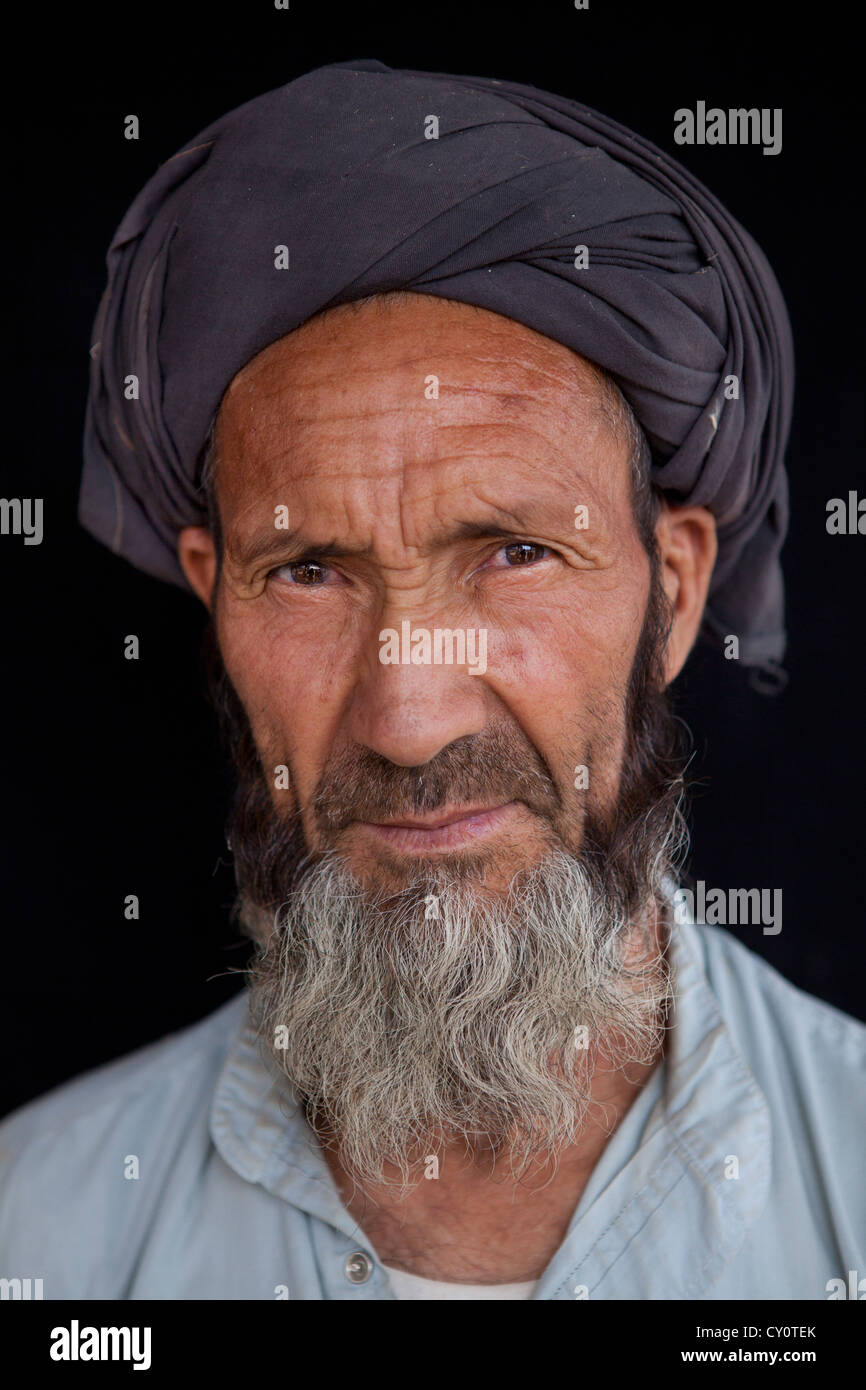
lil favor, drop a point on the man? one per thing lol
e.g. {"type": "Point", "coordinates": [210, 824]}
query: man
{"type": "Point", "coordinates": [463, 411]}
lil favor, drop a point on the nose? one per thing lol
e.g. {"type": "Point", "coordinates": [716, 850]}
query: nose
{"type": "Point", "coordinates": [408, 713]}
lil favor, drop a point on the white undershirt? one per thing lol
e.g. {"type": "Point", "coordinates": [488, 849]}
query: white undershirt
{"type": "Point", "coordinates": [412, 1286]}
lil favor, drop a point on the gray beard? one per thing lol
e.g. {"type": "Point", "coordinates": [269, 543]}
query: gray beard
{"type": "Point", "coordinates": [445, 1013]}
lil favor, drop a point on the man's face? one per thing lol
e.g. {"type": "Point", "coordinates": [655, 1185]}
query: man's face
{"type": "Point", "coordinates": [446, 505]}
{"type": "Point", "coordinates": [455, 873]}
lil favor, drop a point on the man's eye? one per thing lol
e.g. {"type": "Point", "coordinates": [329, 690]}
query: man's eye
{"type": "Point", "coordinates": [304, 572]}
{"type": "Point", "coordinates": [522, 553]}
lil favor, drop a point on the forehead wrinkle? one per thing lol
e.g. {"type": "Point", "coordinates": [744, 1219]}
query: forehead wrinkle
{"type": "Point", "coordinates": [413, 404]}
{"type": "Point", "coordinates": [559, 366]}
{"type": "Point", "coordinates": [258, 452]}
{"type": "Point", "coordinates": [303, 377]}
{"type": "Point", "coordinates": [441, 429]}
{"type": "Point", "coordinates": [504, 398]}
{"type": "Point", "coordinates": [507, 428]}
{"type": "Point", "coordinates": [559, 379]}
{"type": "Point", "coordinates": [370, 412]}
{"type": "Point", "coordinates": [571, 470]}
{"type": "Point", "coordinates": [472, 461]}
{"type": "Point", "coordinates": [410, 469]}
{"type": "Point", "coordinates": [561, 373]}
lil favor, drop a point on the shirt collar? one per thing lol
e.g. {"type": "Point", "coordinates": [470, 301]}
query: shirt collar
{"type": "Point", "coordinates": [682, 1194]}
{"type": "Point", "coordinates": [679, 1197]}
{"type": "Point", "coordinates": [260, 1129]}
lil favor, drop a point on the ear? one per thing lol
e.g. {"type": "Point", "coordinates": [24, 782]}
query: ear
{"type": "Point", "coordinates": [198, 558]}
{"type": "Point", "coordinates": [688, 547]}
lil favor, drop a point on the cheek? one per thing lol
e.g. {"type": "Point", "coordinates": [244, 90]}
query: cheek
{"type": "Point", "coordinates": [572, 653]}
{"type": "Point", "coordinates": [286, 683]}
{"type": "Point", "coordinates": [564, 678]}
{"type": "Point", "coordinates": [291, 673]}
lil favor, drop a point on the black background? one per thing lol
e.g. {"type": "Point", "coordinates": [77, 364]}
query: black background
{"type": "Point", "coordinates": [112, 781]}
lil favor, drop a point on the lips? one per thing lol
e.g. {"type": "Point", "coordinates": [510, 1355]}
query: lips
{"type": "Point", "coordinates": [449, 829]}
{"type": "Point", "coordinates": [437, 819]}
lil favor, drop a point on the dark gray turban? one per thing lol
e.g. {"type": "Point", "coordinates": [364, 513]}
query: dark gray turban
{"type": "Point", "coordinates": [676, 299]}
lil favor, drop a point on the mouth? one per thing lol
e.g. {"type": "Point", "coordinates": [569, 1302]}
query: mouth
{"type": "Point", "coordinates": [444, 829]}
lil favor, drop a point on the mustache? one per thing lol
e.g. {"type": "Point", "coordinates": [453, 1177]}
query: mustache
{"type": "Point", "coordinates": [491, 767]}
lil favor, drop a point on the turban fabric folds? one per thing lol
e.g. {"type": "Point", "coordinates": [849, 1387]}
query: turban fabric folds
{"type": "Point", "coordinates": [675, 300]}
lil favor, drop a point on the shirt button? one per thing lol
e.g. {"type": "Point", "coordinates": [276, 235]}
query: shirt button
{"type": "Point", "coordinates": [358, 1267]}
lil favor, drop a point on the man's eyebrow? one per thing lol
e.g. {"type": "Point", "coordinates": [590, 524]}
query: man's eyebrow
{"type": "Point", "coordinates": [272, 542]}
{"type": "Point", "coordinates": [478, 530]}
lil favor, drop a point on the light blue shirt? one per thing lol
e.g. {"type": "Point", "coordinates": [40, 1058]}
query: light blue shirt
{"type": "Point", "coordinates": [737, 1172]}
